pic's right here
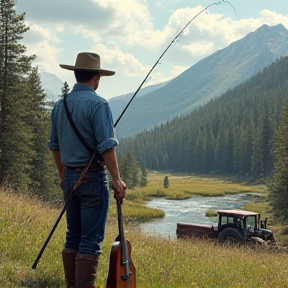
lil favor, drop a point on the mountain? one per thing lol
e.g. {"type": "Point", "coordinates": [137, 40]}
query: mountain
{"type": "Point", "coordinates": [117, 104]}
{"type": "Point", "coordinates": [207, 79]}
{"type": "Point", "coordinates": [52, 86]}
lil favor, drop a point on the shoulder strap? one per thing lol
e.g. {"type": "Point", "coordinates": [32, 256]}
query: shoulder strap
{"type": "Point", "coordinates": [91, 150]}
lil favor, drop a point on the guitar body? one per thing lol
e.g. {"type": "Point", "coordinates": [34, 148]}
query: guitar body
{"type": "Point", "coordinates": [117, 276]}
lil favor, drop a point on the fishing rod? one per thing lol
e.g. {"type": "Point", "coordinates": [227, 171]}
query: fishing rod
{"type": "Point", "coordinates": [78, 183]}
{"type": "Point", "coordinates": [180, 33]}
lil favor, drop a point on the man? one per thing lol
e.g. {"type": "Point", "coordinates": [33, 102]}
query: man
{"type": "Point", "coordinates": [86, 212]}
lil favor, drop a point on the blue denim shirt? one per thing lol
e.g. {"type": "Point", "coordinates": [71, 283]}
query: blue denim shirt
{"type": "Point", "coordinates": [92, 117]}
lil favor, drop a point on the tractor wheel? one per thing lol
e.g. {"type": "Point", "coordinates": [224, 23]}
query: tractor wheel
{"type": "Point", "coordinates": [231, 235]}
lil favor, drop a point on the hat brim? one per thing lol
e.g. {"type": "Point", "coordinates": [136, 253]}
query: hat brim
{"type": "Point", "coordinates": [102, 72]}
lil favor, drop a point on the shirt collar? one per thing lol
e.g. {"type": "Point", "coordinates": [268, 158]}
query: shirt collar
{"type": "Point", "coordinates": [82, 86]}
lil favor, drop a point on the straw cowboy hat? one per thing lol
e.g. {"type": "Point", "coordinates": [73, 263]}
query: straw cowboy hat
{"type": "Point", "coordinates": [89, 62]}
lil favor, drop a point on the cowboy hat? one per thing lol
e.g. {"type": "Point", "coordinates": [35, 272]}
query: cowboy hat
{"type": "Point", "coordinates": [89, 62]}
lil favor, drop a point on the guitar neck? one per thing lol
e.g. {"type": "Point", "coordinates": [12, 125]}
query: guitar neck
{"type": "Point", "coordinates": [125, 254]}
{"type": "Point", "coordinates": [124, 248]}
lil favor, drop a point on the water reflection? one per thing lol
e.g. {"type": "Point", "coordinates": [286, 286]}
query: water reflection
{"type": "Point", "coordinates": [192, 210]}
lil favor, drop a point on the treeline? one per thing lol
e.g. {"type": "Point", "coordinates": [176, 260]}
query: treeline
{"type": "Point", "coordinates": [234, 133]}
{"type": "Point", "coordinates": [26, 165]}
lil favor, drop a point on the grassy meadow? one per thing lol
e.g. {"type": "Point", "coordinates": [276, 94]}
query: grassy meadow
{"type": "Point", "coordinates": [25, 224]}
{"type": "Point", "coordinates": [183, 187]}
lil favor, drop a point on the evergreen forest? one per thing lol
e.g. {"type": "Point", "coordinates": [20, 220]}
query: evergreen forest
{"type": "Point", "coordinates": [26, 165]}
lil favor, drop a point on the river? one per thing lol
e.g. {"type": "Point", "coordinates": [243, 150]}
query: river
{"type": "Point", "coordinates": [191, 210]}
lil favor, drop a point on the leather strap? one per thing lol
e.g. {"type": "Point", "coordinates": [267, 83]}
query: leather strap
{"type": "Point", "coordinates": [91, 150]}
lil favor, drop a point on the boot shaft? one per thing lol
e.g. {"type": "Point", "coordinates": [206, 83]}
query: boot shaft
{"type": "Point", "coordinates": [86, 269]}
{"type": "Point", "coordinates": [68, 258]}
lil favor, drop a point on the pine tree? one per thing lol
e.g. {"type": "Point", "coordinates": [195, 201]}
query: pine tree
{"type": "Point", "coordinates": [262, 157]}
{"type": "Point", "coordinates": [15, 134]}
{"type": "Point", "coordinates": [278, 186]}
{"type": "Point", "coordinates": [267, 136]}
{"type": "Point", "coordinates": [228, 160]}
{"type": "Point", "coordinates": [166, 182]}
{"type": "Point", "coordinates": [65, 88]}
{"type": "Point", "coordinates": [239, 152]}
{"type": "Point", "coordinates": [43, 172]}
{"type": "Point", "coordinates": [208, 150]}
{"type": "Point", "coordinates": [130, 170]}
{"type": "Point", "coordinates": [219, 151]}
{"type": "Point", "coordinates": [23, 119]}
{"type": "Point", "coordinates": [199, 153]}
{"type": "Point", "coordinates": [143, 181]}
{"type": "Point", "coordinates": [248, 149]}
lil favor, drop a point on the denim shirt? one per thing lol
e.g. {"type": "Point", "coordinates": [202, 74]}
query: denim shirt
{"type": "Point", "coordinates": [92, 117]}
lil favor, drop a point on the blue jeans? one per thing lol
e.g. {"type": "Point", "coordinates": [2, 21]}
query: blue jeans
{"type": "Point", "coordinates": [86, 212]}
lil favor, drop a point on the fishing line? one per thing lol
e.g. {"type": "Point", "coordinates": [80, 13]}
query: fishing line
{"type": "Point", "coordinates": [232, 7]}
{"type": "Point", "coordinates": [179, 34]}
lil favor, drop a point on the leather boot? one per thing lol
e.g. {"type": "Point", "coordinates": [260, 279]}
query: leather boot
{"type": "Point", "coordinates": [68, 258]}
{"type": "Point", "coordinates": [86, 269]}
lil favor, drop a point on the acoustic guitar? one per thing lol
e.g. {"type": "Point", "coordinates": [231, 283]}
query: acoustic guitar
{"type": "Point", "coordinates": [122, 272]}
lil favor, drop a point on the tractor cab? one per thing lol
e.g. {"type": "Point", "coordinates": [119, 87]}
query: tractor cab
{"type": "Point", "coordinates": [246, 223]}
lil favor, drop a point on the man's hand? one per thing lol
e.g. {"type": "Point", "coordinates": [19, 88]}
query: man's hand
{"type": "Point", "coordinates": [119, 188]}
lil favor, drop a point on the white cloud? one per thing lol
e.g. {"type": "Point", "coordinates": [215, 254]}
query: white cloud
{"type": "Point", "coordinates": [200, 48]}
{"type": "Point", "coordinates": [119, 32]}
{"type": "Point", "coordinates": [42, 42]}
{"type": "Point", "coordinates": [114, 58]}
{"type": "Point", "coordinates": [129, 19]}
{"type": "Point", "coordinates": [272, 18]}
{"type": "Point", "coordinates": [65, 11]}
{"type": "Point", "coordinates": [211, 32]}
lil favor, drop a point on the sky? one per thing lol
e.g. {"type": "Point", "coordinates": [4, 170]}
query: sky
{"type": "Point", "coordinates": [131, 35]}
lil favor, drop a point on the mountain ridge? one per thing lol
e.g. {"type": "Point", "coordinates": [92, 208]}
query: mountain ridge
{"type": "Point", "coordinates": [207, 79]}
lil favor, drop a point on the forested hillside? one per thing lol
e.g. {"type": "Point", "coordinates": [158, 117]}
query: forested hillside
{"type": "Point", "coordinates": [232, 134]}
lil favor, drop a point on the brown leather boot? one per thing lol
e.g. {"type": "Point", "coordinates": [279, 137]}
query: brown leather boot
{"type": "Point", "coordinates": [86, 269]}
{"type": "Point", "coordinates": [68, 258]}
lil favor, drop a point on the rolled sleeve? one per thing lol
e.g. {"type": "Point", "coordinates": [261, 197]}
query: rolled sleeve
{"type": "Point", "coordinates": [53, 146]}
{"type": "Point", "coordinates": [106, 145]}
{"type": "Point", "coordinates": [103, 127]}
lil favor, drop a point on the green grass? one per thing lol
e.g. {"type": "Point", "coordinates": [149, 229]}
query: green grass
{"type": "Point", "coordinates": [211, 213]}
{"type": "Point", "coordinates": [183, 187]}
{"type": "Point", "coordinates": [135, 211]}
{"type": "Point", "coordinates": [25, 224]}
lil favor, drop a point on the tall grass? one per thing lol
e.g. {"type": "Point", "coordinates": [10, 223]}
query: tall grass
{"type": "Point", "coordinates": [25, 223]}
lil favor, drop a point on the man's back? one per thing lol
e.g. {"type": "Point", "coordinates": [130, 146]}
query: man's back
{"type": "Point", "coordinates": [92, 117]}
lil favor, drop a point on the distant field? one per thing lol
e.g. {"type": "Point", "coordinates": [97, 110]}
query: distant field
{"type": "Point", "coordinates": [181, 187]}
